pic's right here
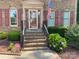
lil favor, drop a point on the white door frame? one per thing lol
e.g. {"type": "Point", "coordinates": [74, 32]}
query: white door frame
{"type": "Point", "coordinates": [36, 18]}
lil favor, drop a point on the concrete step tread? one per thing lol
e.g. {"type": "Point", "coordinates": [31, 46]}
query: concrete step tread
{"type": "Point", "coordinates": [41, 43]}
{"type": "Point", "coordinates": [35, 37]}
{"type": "Point", "coordinates": [35, 48]}
{"type": "Point", "coordinates": [33, 41]}
{"type": "Point", "coordinates": [32, 34]}
{"type": "Point", "coordinates": [32, 37]}
{"type": "Point", "coordinates": [34, 30]}
{"type": "Point", "coordinates": [35, 45]}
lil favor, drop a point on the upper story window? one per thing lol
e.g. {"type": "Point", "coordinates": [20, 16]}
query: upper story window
{"type": "Point", "coordinates": [66, 18]}
{"type": "Point", "coordinates": [13, 17]}
{"type": "Point", "coordinates": [51, 20]}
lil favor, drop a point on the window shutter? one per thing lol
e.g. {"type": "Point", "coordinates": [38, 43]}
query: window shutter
{"type": "Point", "coordinates": [56, 17]}
{"type": "Point", "coordinates": [72, 17]}
{"type": "Point", "coordinates": [0, 17]}
{"type": "Point", "coordinates": [7, 17]}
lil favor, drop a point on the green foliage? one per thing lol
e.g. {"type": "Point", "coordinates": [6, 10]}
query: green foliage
{"type": "Point", "coordinates": [3, 35]}
{"type": "Point", "coordinates": [57, 42]}
{"type": "Point", "coordinates": [14, 36]}
{"type": "Point", "coordinates": [73, 36]}
{"type": "Point", "coordinates": [60, 30]}
{"type": "Point", "coordinates": [11, 45]}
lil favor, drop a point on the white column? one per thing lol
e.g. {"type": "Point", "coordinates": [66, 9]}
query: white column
{"type": "Point", "coordinates": [75, 12]}
{"type": "Point", "coordinates": [23, 19]}
{"type": "Point", "coordinates": [41, 17]}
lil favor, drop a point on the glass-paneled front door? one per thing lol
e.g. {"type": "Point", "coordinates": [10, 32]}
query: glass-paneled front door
{"type": "Point", "coordinates": [33, 19]}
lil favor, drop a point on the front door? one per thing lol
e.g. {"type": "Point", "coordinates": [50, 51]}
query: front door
{"type": "Point", "coordinates": [33, 19]}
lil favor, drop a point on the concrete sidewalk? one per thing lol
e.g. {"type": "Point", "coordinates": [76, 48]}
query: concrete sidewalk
{"type": "Point", "coordinates": [38, 54]}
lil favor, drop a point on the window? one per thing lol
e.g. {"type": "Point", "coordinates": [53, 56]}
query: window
{"type": "Point", "coordinates": [13, 18]}
{"type": "Point", "coordinates": [51, 21]}
{"type": "Point", "coordinates": [66, 18]}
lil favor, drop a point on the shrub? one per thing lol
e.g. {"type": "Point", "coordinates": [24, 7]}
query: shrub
{"type": "Point", "coordinates": [11, 45]}
{"type": "Point", "coordinates": [57, 42]}
{"type": "Point", "coordinates": [73, 36]}
{"type": "Point", "coordinates": [3, 35]}
{"type": "Point", "coordinates": [14, 36]}
{"type": "Point", "coordinates": [59, 30]}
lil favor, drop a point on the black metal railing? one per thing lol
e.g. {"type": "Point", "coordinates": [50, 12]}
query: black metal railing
{"type": "Point", "coordinates": [22, 34]}
{"type": "Point", "coordinates": [45, 30]}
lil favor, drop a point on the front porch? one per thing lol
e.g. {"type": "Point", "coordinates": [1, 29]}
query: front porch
{"type": "Point", "coordinates": [32, 14]}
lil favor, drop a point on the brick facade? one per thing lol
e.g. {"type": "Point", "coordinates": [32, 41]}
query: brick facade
{"type": "Point", "coordinates": [59, 8]}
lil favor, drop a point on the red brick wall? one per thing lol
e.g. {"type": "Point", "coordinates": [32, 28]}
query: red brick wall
{"type": "Point", "coordinates": [59, 8]}
{"type": "Point", "coordinates": [59, 17]}
{"type": "Point", "coordinates": [56, 18]}
{"type": "Point", "coordinates": [45, 12]}
{"type": "Point", "coordinates": [72, 17]}
{"type": "Point", "coordinates": [19, 16]}
{"type": "Point", "coordinates": [0, 17]}
{"type": "Point", "coordinates": [7, 20]}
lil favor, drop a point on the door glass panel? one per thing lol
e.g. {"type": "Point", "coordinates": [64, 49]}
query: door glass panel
{"type": "Point", "coordinates": [33, 19]}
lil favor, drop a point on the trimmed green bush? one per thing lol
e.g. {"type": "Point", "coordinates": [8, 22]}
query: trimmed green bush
{"type": "Point", "coordinates": [3, 35]}
{"type": "Point", "coordinates": [56, 42]}
{"type": "Point", "coordinates": [14, 36]}
{"type": "Point", "coordinates": [59, 30]}
{"type": "Point", "coordinates": [73, 36]}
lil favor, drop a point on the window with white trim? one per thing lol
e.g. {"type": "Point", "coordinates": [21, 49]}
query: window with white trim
{"type": "Point", "coordinates": [66, 18]}
{"type": "Point", "coordinates": [51, 20]}
{"type": "Point", "coordinates": [13, 18]}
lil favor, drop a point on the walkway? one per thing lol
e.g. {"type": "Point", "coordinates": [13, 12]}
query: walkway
{"type": "Point", "coordinates": [40, 54]}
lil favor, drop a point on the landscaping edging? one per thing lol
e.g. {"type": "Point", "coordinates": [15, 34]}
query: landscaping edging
{"type": "Point", "coordinates": [10, 53]}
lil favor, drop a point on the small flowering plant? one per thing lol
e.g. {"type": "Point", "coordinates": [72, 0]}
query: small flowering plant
{"type": "Point", "coordinates": [56, 42]}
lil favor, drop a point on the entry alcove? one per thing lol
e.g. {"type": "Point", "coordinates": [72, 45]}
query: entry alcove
{"type": "Point", "coordinates": [32, 6]}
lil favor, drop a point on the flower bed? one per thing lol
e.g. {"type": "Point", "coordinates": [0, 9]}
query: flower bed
{"type": "Point", "coordinates": [4, 48]}
{"type": "Point", "coordinates": [10, 43]}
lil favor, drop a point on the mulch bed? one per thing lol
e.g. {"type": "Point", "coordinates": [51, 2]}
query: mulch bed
{"type": "Point", "coordinates": [4, 48]}
{"type": "Point", "coordinates": [69, 53]}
